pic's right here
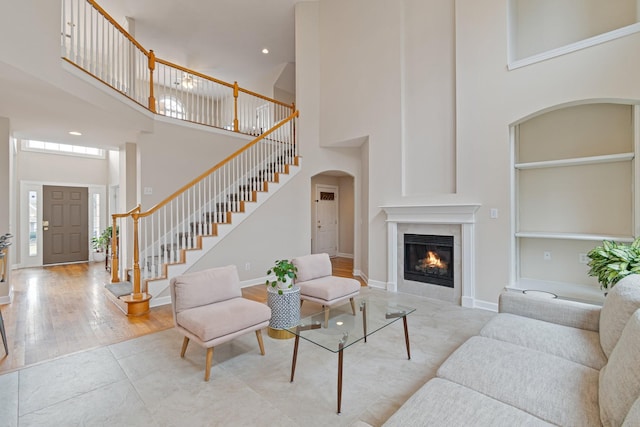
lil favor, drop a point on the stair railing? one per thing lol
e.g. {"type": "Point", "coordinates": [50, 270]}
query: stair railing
{"type": "Point", "coordinates": [115, 242]}
{"type": "Point", "coordinates": [94, 42]}
{"type": "Point", "coordinates": [162, 234]}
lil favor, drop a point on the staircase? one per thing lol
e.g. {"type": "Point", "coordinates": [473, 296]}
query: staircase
{"type": "Point", "coordinates": [170, 237]}
{"type": "Point", "coordinates": [167, 239]}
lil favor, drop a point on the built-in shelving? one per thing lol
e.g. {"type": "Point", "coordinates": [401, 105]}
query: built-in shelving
{"type": "Point", "coordinates": [573, 47]}
{"type": "Point", "coordinates": [592, 160]}
{"type": "Point", "coordinates": [573, 236]}
{"type": "Point", "coordinates": [574, 180]}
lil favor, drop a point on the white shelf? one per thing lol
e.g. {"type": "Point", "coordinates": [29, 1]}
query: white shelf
{"type": "Point", "coordinates": [609, 158]}
{"type": "Point", "coordinates": [572, 47]}
{"type": "Point", "coordinates": [571, 291]}
{"type": "Point", "coordinates": [573, 236]}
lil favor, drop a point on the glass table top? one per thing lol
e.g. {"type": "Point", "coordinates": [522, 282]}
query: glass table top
{"type": "Point", "coordinates": [343, 328]}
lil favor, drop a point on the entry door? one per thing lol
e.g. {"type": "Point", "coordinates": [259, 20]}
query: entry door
{"type": "Point", "coordinates": [65, 224]}
{"type": "Point", "coordinates": [327, 219]}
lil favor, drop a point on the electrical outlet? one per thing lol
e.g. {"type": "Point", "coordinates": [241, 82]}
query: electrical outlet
{"type": "Point", "coordinates": [583, 259]}
{"type": "Point", "coordinates": [493, 213]}
{"type": "Point", "coordinates": [546, 255]}
{"type": "Point", "coordinates": [247, 266]}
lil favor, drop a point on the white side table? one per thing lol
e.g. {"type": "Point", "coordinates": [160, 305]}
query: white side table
{"type": "Point", "coordinates": [285, 311]}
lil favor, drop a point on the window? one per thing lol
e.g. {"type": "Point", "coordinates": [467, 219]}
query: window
{"type": "Point", "coordinates": [96, 209]}
{"type": "Point", "coordinates": [33, 223]}
{"type": "Point", "coordinates": [171, 107]}
{"type": "Point", "coordinates": [65, 149]}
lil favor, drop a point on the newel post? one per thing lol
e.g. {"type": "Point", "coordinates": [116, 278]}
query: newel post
{"type": "Point", "coordinates": [235, 107]}
{"type": "Point", "coordinates": [152, 67]}
{"type": "Point", "coordinates": [136, 257]}
{"type": "Point", "coordinates": [115, 278]}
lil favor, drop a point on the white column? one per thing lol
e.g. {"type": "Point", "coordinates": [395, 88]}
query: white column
{"type": "Point", "coordinates": [392, 257]}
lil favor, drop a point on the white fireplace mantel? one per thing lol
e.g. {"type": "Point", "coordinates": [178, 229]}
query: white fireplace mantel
{"type": "Point", "coordinates": [462, 214]}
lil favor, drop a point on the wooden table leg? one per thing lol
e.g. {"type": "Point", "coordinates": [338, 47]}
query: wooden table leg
{"type": "Point", "coordinates": [363, 309]}
{"type": "Point", "coordinates": [4, 335]}
{"type": "Point", "coordinates": [340, 357]}
{"type": "Point", "coordinates": [406, 337]}
{"type": "Point", "coordinates": [295, 356]}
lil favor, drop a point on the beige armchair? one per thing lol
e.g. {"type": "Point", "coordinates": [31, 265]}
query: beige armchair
{"type": "Point", "coordinates": [317, 283]}
{"type": "Point", "coordinates": [209, 309]}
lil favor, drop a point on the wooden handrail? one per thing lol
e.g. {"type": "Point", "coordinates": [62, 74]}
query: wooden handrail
{"type": "Point", "coordinates": [118, 26]}
{"type": "Point", "coordinates": [229, 85]}
{"type": "Point", "coordinates": [266, 98]}
{"type": "Point", "coordinates": [195, 73]}
{"type": "Point", "coordinates": [217, 166]}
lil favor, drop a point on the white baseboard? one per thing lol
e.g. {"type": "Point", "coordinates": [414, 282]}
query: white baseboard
{"type": "Point", "coordinates": [377, 284]}
{"type": "Point", "coordinates": [343, 255]}
{"type": "Point", "coordinates": [7, 299]}
{"type": "Point", "coordinates": [253, 282]}
{"type": "Point", "coordinates": [157, 302]}
{"type": "Point", "coordinates": [470, 302]}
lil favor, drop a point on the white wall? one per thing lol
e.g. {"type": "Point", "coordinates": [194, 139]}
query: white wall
{"type": "Point", "coordinates": [5, 193]}
{"type": "Point", "coordinates": [541, 25]}
{"type": "Point", "coordinates": [278, 230]}
{"type": "Point", "coordinates": [373, 56]}
{"type": "Point", "coordinates": [490, 99]}
{"type": "Point", "coordinates": [60, 169]}
{"type": "Point", "coordinates": [428, 97]}
{"type": "Point", "coordinates": [176, 153]}
{"type": "Point", "coordinates": [386, 77]}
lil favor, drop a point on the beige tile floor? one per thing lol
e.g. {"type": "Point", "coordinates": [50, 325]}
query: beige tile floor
{"type": "Point", "coordinates": [144, 382]}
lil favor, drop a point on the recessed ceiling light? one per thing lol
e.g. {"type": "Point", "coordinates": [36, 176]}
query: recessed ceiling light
{"type": "Point", "coordinates": [75, 132]}
{"type": "Point", "coordinates": [265, 50]}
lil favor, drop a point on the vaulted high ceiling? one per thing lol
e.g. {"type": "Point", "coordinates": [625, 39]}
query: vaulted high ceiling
{"type": "Point", "coordinates": [221, 38]}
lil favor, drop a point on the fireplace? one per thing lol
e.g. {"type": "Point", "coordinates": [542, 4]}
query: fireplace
{"type": "Point", "coordinates": [429, 259]}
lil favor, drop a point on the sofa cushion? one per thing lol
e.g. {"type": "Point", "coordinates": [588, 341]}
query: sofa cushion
{"type": "Point", "coordinates": [574, 344]}
{"type": "Point", "coordinates": [633, 417]}
{"type": "Point", "coordinates": [553, 310]}
{"type": "Point", "coordinates": [444, 403]}
{"type": "Point", "coordinates": [621, 302]}
{"type": "Point", "coordinates": [620, 378]}
{"type": "Point", "coordinates": [329, 288]}
{"type": "Point", "coordinates": [239, 314]}
{"type": "Point", "coordinates": [549, 387]}
{"type": "Point", "coordinates": [312, 266]}
{"type": "Point", "coordinates": [206, 287]}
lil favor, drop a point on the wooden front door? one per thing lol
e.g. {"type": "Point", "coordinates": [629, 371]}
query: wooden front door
{"type": "Point", "coordinates": [65, 224]}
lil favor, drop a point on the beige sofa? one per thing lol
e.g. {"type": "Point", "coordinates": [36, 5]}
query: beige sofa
{"type": "Point", "coordinates": [541, 362]}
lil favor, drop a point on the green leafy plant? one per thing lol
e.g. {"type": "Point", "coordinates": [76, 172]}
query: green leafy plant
{"type": "Point", "coordinates": [99, 243]}
{"type": "Point", "coordinates": [612, 261]}
{"type": "Point", "coordinates": [284, 271]}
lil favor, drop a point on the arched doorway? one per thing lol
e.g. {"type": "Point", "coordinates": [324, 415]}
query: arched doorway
{"type": "Point", "coordinates": [333, 214]}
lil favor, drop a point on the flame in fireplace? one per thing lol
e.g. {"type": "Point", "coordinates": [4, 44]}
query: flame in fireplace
{"type": "Point", "coordinates": [432, 260]}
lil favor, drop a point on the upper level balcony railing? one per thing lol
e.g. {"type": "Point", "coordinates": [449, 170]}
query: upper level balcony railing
{"type": "Point", "coordinates": [93, 41]}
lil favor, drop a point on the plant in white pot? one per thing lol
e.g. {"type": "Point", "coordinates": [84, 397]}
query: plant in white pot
{"type": "Point", "coordinates": [612, 261]}
{"type": "Point", "coordinates": [285, 272]}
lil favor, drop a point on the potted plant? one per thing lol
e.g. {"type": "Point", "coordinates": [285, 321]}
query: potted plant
{"type": "Point", "coordinates": [285, 272]}
{"type": "Point", "coordinates": [100, 243]}
{"type": "Point", "coordinates": [612, 261]}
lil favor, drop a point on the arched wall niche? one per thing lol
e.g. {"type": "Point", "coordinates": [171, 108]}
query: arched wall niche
{"type": "Point", "coordinates": [574, 181]}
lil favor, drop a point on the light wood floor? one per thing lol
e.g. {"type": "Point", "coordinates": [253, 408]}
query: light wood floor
{"type": "Point", "coordinates": [61, 309]}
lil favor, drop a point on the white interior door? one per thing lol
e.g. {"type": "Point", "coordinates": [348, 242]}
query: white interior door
{"type": "Point", "coordinates": [326, 229]}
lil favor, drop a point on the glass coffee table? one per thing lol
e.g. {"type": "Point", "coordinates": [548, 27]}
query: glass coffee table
{"type": "Point", "coordinates": [343, 329]}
